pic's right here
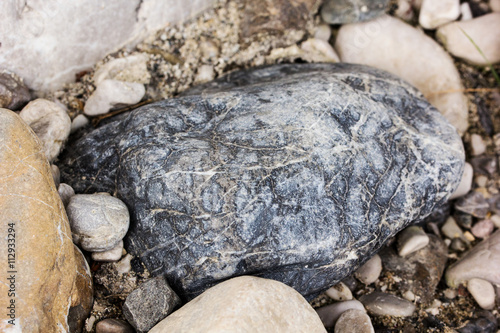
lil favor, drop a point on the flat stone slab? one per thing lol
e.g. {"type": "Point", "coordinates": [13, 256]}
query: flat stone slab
{"type": "Point", "coordinates": [297, 173]}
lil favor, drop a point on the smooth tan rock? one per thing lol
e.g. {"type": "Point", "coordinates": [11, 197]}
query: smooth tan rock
{"type": "Point", "coordinates": [45, 265]}
{"type": "Point", "coordinates": [484, 31]}
{"type": "Point", "coordinates": [243, 304]}
{"type": "Point", "coordinates": [392, 45]}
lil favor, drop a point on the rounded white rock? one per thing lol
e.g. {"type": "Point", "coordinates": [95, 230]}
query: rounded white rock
{"type": "Point", "coordinates": [111, 255]}
{"type": "Point", "coordinates": [129, 69]}
{"type": "Point", "coordinates": [477, 144]}
{"type": "Point", "coordinates": [370, 271]}
{"type": "Point", "coordinates": [79, 122]}
{"type": "Point", "coordinates": [411, 240]}
{"type": "Point", "coordinates": [66, 192]}
{"type": "Point", "coordinates": [483, 292]}
{"type": "Point", "coordinates": [51, 124]}
{"type": "Point", "coordinates": [339, 292]}
{"type": "Point", "coordinates": [436, 13]}
{"type": "Point", "coordinates": [110, 93]}
{"type": "Point", "coordinates": [465, 183]}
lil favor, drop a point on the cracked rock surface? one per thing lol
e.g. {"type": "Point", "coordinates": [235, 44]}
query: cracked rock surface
{"type": "Point", "coordinates": [297, 173]}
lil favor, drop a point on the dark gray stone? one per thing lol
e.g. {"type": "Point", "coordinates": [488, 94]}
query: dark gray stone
{"type": "Point", "coordinates": [297, 173]}
{"type": "Point", "coordinates": [352, 11]}
{"type": "Point", "coordinates": [150, 303]}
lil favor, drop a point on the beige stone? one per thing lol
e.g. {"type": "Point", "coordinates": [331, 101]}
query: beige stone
{"type": "Point", "coordinates": [45, 265]}
{"type": "Point", "coordinates": [244, 304]}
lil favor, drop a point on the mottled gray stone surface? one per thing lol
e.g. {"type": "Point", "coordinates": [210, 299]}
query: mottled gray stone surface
{"type": "Point", "coordinates": [297, 173]}
{"type": "Point", "coordinates": [352, 11]}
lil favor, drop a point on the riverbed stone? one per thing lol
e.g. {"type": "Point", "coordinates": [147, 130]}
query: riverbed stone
{"type": "Point", "coordinates": [244, 174]}
{"type": "Point", "coordinates": [243, 304]}
{"type": "Point", "coordinates": [47, 274]}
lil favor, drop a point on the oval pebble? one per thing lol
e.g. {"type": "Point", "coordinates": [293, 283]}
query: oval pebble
{"type": "Point", "coordinates": [354, 320]}
{"type": "Point", "coordinates": [112, 325]}
{"type": "Point", "coordinates": [483, 228]}
{"type": "Point", "coordinates": [66, 192]}
{"type": "Point", "coordinates": [411, 240]}
{"type": "Point", "coordinates": [465, 183]}
{"type": "Point", "coordinates": [111, 255]}
{"type": "Point", "coordinates": [339, 292]}
{"type": "Point", "coordinates": [483, 292]}
{"type": "Point", "coordinates": [382, 304]}
{"type": "Point", "coordinates": [330, 313]}
{"type": "Point", "coordinates": [370, 271]}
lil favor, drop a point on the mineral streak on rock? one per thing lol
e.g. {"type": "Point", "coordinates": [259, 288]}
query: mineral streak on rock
{"type": "Point", "coordinates": [297, 173]}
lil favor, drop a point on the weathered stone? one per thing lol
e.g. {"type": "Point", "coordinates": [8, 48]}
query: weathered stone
{"type": "Point", "coordinates": [339, 292]}
{"type": "Point", "coordinates": [128, 69]}
{"type": "Point", "coordinates": [329, 314]}
{"type": "Point", "coordinates": [98, 221]}
{"type": "Point", "coordinates": [351, 11]}
{"type": "Point", "coordinates": [418, 272]}
{"type": "Point", "coordinates": [483, 292]}
{"type": "Point", "coordinates": [13, 93]}
{"type": "Point", "coordinates": [44, 271]}
{"type": "Point", "coordinates": [246, 174]}
{"type": "Point", "coordinates": [382, 304]}
{"type": "Point", "coordinates": [392, 45]}
{"type": "Point", "coordinates": [112, 255]}
{"type": "Point", "coordinates": [436, 13]}
{"type": "Point", "coordinates": [370, 271]}
{"type": "Point", "coordinates": [354, 321]}
{"type": "Point", "coordinates": [231, 307]}
{"type": "Point", "coordinates": [150, 303]}
{"type": "Point", "coordinates": [411, 239]}
{"type": "Point", "coordinates": [110, 93]}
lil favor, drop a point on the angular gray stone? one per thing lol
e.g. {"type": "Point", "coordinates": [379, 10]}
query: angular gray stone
{"type": "Point", "coordinates": [351, 11]}
{"type": "Point", "coordinates": [150, 303]}
{"type": "Point", "coordinates": [297, 173]}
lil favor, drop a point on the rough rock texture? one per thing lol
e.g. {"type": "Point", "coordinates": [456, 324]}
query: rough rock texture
{"type": "Point", "coordinates": [241, 305]}
{"type": "Point", "coordinates": [292, 172]}
{"type": "Point", "coordinates": [41, 269]}
{"type": "Point", "coordinates": [13, 93]}
{"type": "Point", "coordinates": [392, 45]}
{"type": "Point", "coordinates": [37, 35]}
{"type": "Point", "coordinates": [351, 11]}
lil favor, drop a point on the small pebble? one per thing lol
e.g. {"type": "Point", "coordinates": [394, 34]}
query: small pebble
{"type": "Point", "coordinates": [478, 146]}
{"type": "Point", "coordinates": [98, 221]}
{"type": "Point", "coordinates": [411, 240]}
{"type": "Point", "coordinates": [405, 10]}
{"type": "Point", "coordinates": [339, 292]}
{"type": "Point", "coordinates": [89, 323]}
{"type": "Point", "coordinates": [483, 228]}
{"type": "Point", "coordinates": [128, 69]}
{"type": "Point", "coordinates": [496, 220]}
{"type": "Point", "coordinates": [209, 50]}
{"type": "Point", "coordinates": [469, 237]}
{"type": "Point", "coordinates": [56, 174]}
{"type": "Point", "coordinates": [354, 321]}
{"type": "Point", "coordinates": [483, 292]}
{"type": "Point", "coordinates": [382, 304]}
{"type": "Point", "coordinates": [450, 293]}
{"type": "Point", "coordinates": [370, 271]}
{"type": "Point", "coordinates": [434, 308]}
{"type": "Point", "coordinates": [409, 295]}
{"type": "Point", "coordinates": [205, 73]}
{"type": "Point", "coordinates": [112, 325]}
{"type": "Point", "coordinates": [111, 255]}
{"type": "Point", "coordinates": [457, 245]}
{"type": "Point", "coordinates": [451, 229]}
{"type": "Point", "coordinates": [50, 122]}
{"type": "Point", "coordinates": [481, 181]}
{"type": "Point", "coordinates": [330, 313]}
{"type": "Point", "coordinates": [465, 183]}
{"type": "Point", "coordinates": [436, 13]}
{"type": "Point", "coordinates": [464, 220]}
{"type": "Point", "coordinates": [110, 93]}
{"type": "Point", "coordinates": [474, 204]}
{"type": "Point", "coordinates": [317, 50]}
{"type": "Point", "coordinates": [13, 92]}
{"type": "Point", "coordinates": [323, 32]}
{"type": "Point", "coordinates": [66, 192]}
{"type": "Point", "coordinates": [466, 12]}
{"type": "Point", "coordinates": [124, 266]}
{"type": "Point", "coordinates": [79, 122]}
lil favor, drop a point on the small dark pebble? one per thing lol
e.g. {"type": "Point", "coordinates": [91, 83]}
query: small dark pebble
{"type": "Point", "coordinates": [485, 165]}
{"type": "Point", "coordinates": [464, 220]}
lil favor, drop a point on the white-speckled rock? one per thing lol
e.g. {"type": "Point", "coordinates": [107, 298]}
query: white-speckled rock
{"type": "Point", "coordinates": [110, 93]}
{"type": "Point", "coordinates": [382, 304]}
{"type": "Point", "coordinates": [318, 50]}
{"type": "Point", "coordinates": [370, 271]}
{"type": "Point", "coordinates": [354, 321]}
{"type": "Point", "coordinates": [477, 263]}
{"type": "Point", "coordinates": [465, 183]}
{"type": "Point", "coordinates": [329, 314]}
{"type": "Point", "coordinates": [478, 146]}
{"type": "Point", "coordinates": [112, 255]}
{"type": "Point", "coordinates": [483, 292]}
{"type": "Point", "coordinates": [411, 240]}
{"type": "Point", "coordinates": [66, 192]}
{"type": "Point", "coordinates": [390, 44]}
{"type": "Point", "coordinates": [79, 122]}
{"type": "Point", "coordinates": [128, 69]}
{"type": "Point", "coordinates": [339, 292]}
{"type": "Point", "coordinates": [50, 122]}
{"type": "Point", "coordinates": [243, 304]}
{"type": "Point", "coordinates": [484, 31]}
{"type": "Point", "coordinates": [436, 13]}
{"type": "Point", "coordinates": [98, 221]}
{"type": "Point", "coordinates": [47, 42]}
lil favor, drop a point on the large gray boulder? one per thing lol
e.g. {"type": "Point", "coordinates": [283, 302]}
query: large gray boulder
{"type": "Point", "coordinates": [297, 173]}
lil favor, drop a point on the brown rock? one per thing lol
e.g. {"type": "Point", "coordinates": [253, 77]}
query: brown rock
{"type": "Point", "coordinates": [13, 93]}
{"type": "Point", "coordinates": [82, 295]}
{"type": "Point", "coordinates": [43, 272]}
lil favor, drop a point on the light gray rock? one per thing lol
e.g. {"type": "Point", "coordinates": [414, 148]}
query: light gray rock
{"type": "Point", "coordinates": [110, 93]}
{"type": "Point", "coordinates": [382, 304]}
{"type": "Point", "coordinates": [392, 45]}
{"type": "Point", "coordinates": [351, 11]}
{"type": "Point", "coordinates": [98, 221]}
{"type": "Point", "coordinates": [323, 32]}
{"type": "Point", "coordinates": [317, 50]}
{"type": "Point", "coordinates": [112, 325]}
{"type": "Point", "coordinates": [483, 228]}
{"type": "Point", "coordinates": [112, 255]}
{"type": "Point", "coordinates": [128, 69]}
{"type": "Point", "coordinates": [354, 321]}
{"type": "Point", "coordinates": [478, 146]}
{"type": "Point", "coordinates": [150, 303]}
{"type": "Point", "coordinates": [411, 240]}
{"type": "Point", "coordinates": [465, 183]}
{"type": "Point", "coordinates": [477, 263]}
{"type": "Point", "coordinates": [483, 292]}
{"type": "Point", "coordinates": [50, 122]}
{"type": "Point", "coordinates": [329, 314]}
{"type": "Point", "coordinates": [66, 192]}
{"type": "Point", "coordinates": [83, 31]}
{"type": "Point", "coordinates": [436, 13]}
{"type": "Point", "coordinates": [79, 122]}
{"type": "Point", "coordinates": [370, 271]}
{"type": "Point", "coordinates": [451, 229]}
{"type": "Point", "coordinates": [13, 93]}
{"type": "Point", "coordinates": [244, 304]}
{"type": "Point", "coordinates": [484, 31]}
{"type": "Point", "coordinates": [339, 292]}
